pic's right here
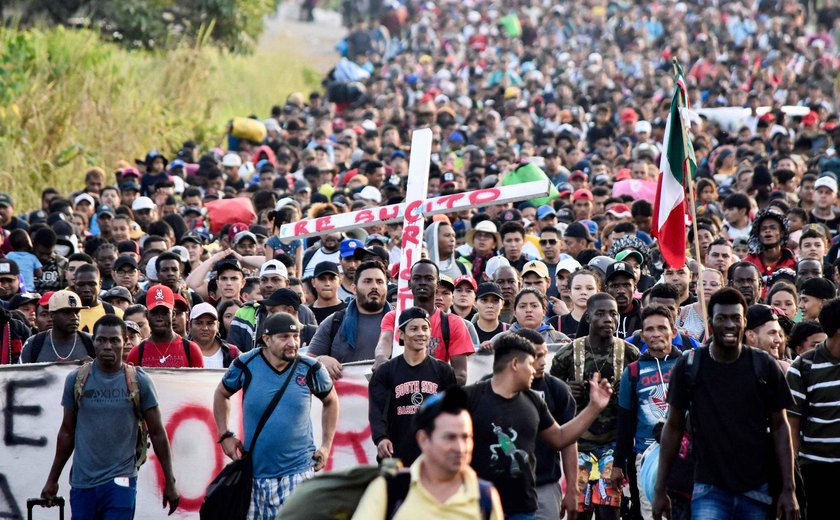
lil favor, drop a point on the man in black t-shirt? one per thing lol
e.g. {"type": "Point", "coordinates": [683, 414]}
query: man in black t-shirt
{"type": "Point", "coordinates": [734, 393]}
{"type": "Point", "coordinates": [561, 405]}
{"type": "Point", "coordinates": [399, 387]}
{"type": "Point", "coordinates": [508, 416]}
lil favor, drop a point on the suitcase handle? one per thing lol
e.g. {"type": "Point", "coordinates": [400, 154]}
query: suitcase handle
{"type": "Point", "coordinates": [43, 502]}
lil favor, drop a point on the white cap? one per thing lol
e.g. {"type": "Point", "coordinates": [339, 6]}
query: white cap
{"type": "Point", "coordinates": [643, 126]}
{"type": "Point", "coordinates": [151, 270]}
{"type": "Point", "coordinates": [202, 309]}
{"type": "Point", "coordinates": [827, 181]}
{"type": "Point", "coordinates": [181, 251]}
{"type": "Point", "coordinates": [232, 160]}
{"type": "Point", "coordinates": [141, 203]}
{"type": "Point", "coordinates": [286, 201]}
{"type": "Point", "coordinates": [567, 264]}
{"type": "Point", "coordinates": [370, 194]}
{"type": "Point", "coordinates": [84, 196]}
{"type": "Point", "coordinates": [494, 264]}
{"type": "Point", "coordinates": [274, 267]}
{"type": "Point", "coordinates": [369, 125]}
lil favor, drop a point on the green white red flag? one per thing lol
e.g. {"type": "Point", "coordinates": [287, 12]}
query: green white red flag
{"type": "Point", "coordinates": [676, 170]}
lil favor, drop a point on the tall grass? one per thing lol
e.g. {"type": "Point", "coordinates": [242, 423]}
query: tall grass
{"type": "Point", "coordinates": [69, 101]}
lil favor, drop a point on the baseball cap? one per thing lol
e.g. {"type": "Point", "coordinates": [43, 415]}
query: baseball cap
{"type": "Point", "coordinates": [565, 215]}
{"type": "Point", "coordinates": [201, 309]}
{"type": "Point", "coordinates": [382, 239]}
{"type": "Point", "coordinates": [141, 203]}
{"type": "Point", "coordinates": [191, 236]}
{"type": "Point", "coordinates": [283, 296]}
{"type": "Point", "coordinates": [232, 160]}
{"type": "Point", "coordinates": [132, 326]}
{"type": "Point", "coordinates": [583, 194]}
{"type": "Point", "coordinates": [447, 281]}
{"type": "Point", "coordinates": [545, 211]}
{"type": "Point", "coordinates": [378, 252]}
{"type": "Point", "coordinates": [158, 296]}
{"type": "Point", "coordinates": [618, 268]}
{"type": "Point", "coordinates": [827, 181]}
{"type": "Point", "coordinates": [281, 323]}
{"type": "Point", "coordinates": [118, 292]}
{"type": "Point", "coordinates": [9, 267]}
{"type": "Point", "coordinates": [567, 264]}
{"type": "Point", "coordinates": [494, 264]}
{"type": "Point", "coordinates": [467, 279]}
{"type": "Point", "coordinates": [274, 267]}
{"type": "Point", "coordinates": [485, 226]}
{"type": "Point", "coordinates": [818, 288]}
{"type": "Point", "coordinates": [349, 246]}
{"type": "Point", "coordinates": [6, 200]}
{"type": "Point", "coordinates": [535, 266]}
{"type": "Point", "coordinates": [22, 299]}
{"type": "Point", "coordinates": [410, 314]}
{"type": "Point", "coordinates": [627, 253]}
{"type": "Point", "coordinates": [325, 267]}
{"type": "Point", "coordinates": [578, 174]}
{"type": "Point", "coordinates": [130, 172]}
{"type": "Point", "coordinates": [510, 215]}
{"type": "Point", "coordinates": [242, 235]}
{"type": "Point", "coordinates": [628, 115]}
{"type": "Point", "coordinates": [83, 197]}
{"type": "Point", "coordinates": [758, 315]}
{"type": "Point", "coordinates": [235, 229]}
{"type": "Point", "coordinates": [578, 230]}
{"type": "Point", "coordinates": [643, 127]}
{"type": "Point", "coordinates": [124, 260]}
{"type": "Point", "coordinates": [453, 400]}
{"type": "Point", "coordinates": [369, 194]}
{"type": "Point", "coordinates": [489, 288]}
{"type": "Point", "coordinates": [105, 210]}
{"type": "Point", "coordinates": [620, 211]}
{"type": "Point", "coordinates": [259, 231]}
{"type": "Point", "coordinates": [65, 300]}
{"type": "Point", "coordinates": [45, 299]}
{"type": "Point", "coordinates": [130, 186]}
{"type": "Point", "coordinates": [227, 264]}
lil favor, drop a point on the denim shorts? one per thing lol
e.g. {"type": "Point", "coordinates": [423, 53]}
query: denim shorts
{"type": "Point", "coordinates": [712, 503]}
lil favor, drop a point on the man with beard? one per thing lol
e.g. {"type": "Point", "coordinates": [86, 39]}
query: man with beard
{"type": "Point", "coordinates": [601, 352]}
{"type": "Point", "coordinates": [621, 285]}
{"type": "Point", "coordinates": [64, 343]}
{"type": "Point", "coordinates": [763, 331]}
{"type": "Point", "coordinates": [327, 250]}
{"type": "Point", "coordinates": [768, 235]}
{"type": "Point", "coordinates": [246, 325]}
{"type": "Point", "coordinates": [351, 334]}
{"type": "Point", "coordinates": [735, 451]}
{"type": "Point", "coordinates": [451, 342]}
{"type": "Point", "coordinates": [680, 277]}
{"type": "Point", "coordinates": [86, 285]}
{"type": "Point", "coordinates": [349, 264]}
{"type": "Point", "coordinates": [9, 281]}
{"type": "Point", "coordinates": [720, 255]}
{"type": "Point", "coordinates": [509, 280]}
{"type": "Point", "coordinates": [164, 348]}
{"type": "Point", "coordinates": [745, 278]}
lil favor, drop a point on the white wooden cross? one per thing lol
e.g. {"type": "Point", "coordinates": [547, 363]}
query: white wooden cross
{"type": "Point", "coordinates": [413, 211]}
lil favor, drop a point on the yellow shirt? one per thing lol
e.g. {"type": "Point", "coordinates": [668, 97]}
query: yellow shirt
{"type": "Point", "coordinates": [420, 504]}
{"type": "Point", "coordinates": [87, 317]}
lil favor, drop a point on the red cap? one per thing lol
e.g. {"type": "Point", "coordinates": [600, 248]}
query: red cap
{"type": "Point", "coordinates": [578, 174]}
{"type": "Point", "coordinates": [441, 218]}
{"type": "Point", "coordinates": [160, 295]}
{"type": "Point", "coordinates": [810, 119]}
{"type": "Point", "coordinates": [623, 174]}
{"type": "Point", "coordinates": [769, 117]}
{"type": "Point", "coordinates": [465, 278]}
{"type": "Point", "coordinates": [45, 299]}
{"type": "Point", "coordinates": [829, 126]}
{"type": "Point", "coordinates": [236, 228]}
{"type": "Point", "coordinates": [338, 124]}
{"type": "Point", "coordinates": [619, 210]}
{"type": "Point", "coordinates": [177, 298]}
{"type": "Point", "coordinates": [628, 115]}
{"type": "Point", "coordinates": [583, 193]}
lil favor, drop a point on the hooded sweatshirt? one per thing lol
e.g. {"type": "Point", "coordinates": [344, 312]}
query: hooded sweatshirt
{"type": "Point", "coordinates": [448, 265]}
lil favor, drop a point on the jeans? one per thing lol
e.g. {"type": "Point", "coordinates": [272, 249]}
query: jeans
{"type": "Point", "coordinates": [521, 516]}
{"type": "Point", "coordinates": [108, 501]}
{"type": "Point", "coordinates": [711, 503]}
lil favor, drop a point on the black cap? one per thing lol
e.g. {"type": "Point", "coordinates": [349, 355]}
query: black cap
{"type": "Point", "coordinates": [453, 400]}
{"type": "Point", "coordinates": [118, 292]}
{"type": "Point", "coordinates": [617, 268]}
{"type": "Point", "coordinates": [124, 260]}
{"type": "Point", "coordinates": [510, 215]}
{"type": "Point", "coordinates": [413, 313]}
{"type": "Point", "coordinates": [818, 288]}
{"type": "Point", "coordinates": [191, 237]}
{"type": "Point", "coordinates": [283, 296]}
{"type": "Point", "coordinates": [281, 323]}
{"type": "Point", "coordinates": [227, 264]}
{"type": "Point", "coordinates": [378, 252]}
{"type": "Point", "coordinates": [565, 215]}
{"type": "Point", "coordinates": [9, 267]}
{"type": "Point", "coordinates": [128, 246]}
{"type": "Point", "coordinates": [325, 267]}
{"type": "Point", "coordinates": [489, 288]}
{"type": "Point", "coordinates": [758, 315]}
{"type": "Point", "coordinates": [577, 230]}
{"type": "Point", "coordinates": [22, 299]}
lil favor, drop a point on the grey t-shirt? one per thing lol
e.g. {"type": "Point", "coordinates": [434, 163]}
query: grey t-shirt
{"type": "Point", "coordinates": [370, 325]}
{"type": "Point", "coordinates": [106, 427]}
{"type": "Point", "coordinates": [63, 348]}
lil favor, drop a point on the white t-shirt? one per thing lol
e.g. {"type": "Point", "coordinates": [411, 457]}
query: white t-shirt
{"type": "Point", "coordinates": [319, 256]}
{"type": "Point", "coordinates": [214, 361]}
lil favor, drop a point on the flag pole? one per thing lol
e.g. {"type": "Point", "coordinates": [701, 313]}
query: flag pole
{"type": "Point", "coordinates": [700, 296]}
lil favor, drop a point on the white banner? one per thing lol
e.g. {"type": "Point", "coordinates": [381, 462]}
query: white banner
{"type": "Point", "coordinates": [30, 397]}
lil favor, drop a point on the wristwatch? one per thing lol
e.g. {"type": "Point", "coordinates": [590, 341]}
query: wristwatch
{"type": "Point", "coordinates": [228, 434]}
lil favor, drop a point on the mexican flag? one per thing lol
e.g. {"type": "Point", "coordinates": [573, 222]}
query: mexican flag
{"type": "Point", "coordinates": [676, 170]}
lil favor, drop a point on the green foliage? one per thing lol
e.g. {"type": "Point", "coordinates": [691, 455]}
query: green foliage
{"type": "Point", "coordinates": [69, 101]}
{"type": "Point", "coordinates": [156, 23]}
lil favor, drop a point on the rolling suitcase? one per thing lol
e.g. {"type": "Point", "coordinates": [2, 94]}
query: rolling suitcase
{"type": "Point", "coordinates": [42, 502]}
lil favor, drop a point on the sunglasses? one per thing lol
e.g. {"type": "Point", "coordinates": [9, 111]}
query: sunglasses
{"type": "Point", "coordinates": [548, 242]}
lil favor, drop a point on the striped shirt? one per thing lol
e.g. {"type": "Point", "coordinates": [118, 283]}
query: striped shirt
{"type": "Point", "coordinates": [817, 403]}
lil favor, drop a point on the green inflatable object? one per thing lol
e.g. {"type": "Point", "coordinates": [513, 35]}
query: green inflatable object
{"type": "Point", "coordinates": [511, 25]}
{"type": "Point", "coordinates": [529, 172]}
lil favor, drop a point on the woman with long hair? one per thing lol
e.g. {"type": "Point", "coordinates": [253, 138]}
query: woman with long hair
{"type": "Point", "coordinates": [690, 320]}
{"type": "Point", "coordinates": [583, 283]}
{"type": "Point", "coordinates": [529, 309]}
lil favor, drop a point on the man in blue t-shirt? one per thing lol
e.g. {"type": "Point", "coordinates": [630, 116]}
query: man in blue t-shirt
{"type": "Point", "coordinates": [642, 399]}
{"type": "Point", "coordinates": [284, 454]}
{"type": "Point", "coordinates": [100, 430]}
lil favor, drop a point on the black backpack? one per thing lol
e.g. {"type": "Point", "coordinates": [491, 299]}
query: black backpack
{"type": "Point", "coordinates": [338, 317]}
{"type": "Point", "coordinates": [41, 338]}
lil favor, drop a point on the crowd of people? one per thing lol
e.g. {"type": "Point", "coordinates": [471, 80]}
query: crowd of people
{"type": "Point", "coordinates": [596, 342]}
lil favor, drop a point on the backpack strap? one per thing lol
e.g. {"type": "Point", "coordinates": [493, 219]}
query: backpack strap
{"type": "Point", "coordinates": [633, 375]}
{"type": "Point", "coordinates": [444, 329]}
{"type": "Point", "coordinates": [618, 357]}
{"type": "Point", "coordinates": [140, 349]}
{"type": "Point", "coordinates": [87, 342]}
{"type": "Point", "coordinates": [579, 357]}
{"type": "Point", "coordinates": [485, 498]}
{"type": "Point", "coordinates": [133, 385]}
{"type": "Point", "coordinates": [186, 343]}
{"type": "Point", "coordinates": [38, 346]}
{"type": "Point", "coordinates": [337, 318]}
{"type": "Point", "coordinates": [686, 341]}
{"type": "Point", "coordinates": [396, 487]}
{"type": "Point", "coordinates": [246, 373]}
{"type": "Point", "coordinates": [109, 309]}
{"type": "Point", "coordinates": [79, 383]}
